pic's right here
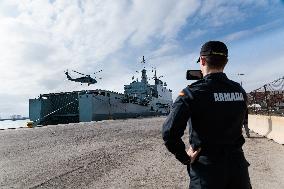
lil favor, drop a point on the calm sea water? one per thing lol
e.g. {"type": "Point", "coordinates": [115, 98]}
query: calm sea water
{"type": "Point", "coordinates": [13, 124]}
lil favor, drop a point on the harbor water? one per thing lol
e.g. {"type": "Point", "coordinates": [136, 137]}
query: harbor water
{"type": "Point", "coordinates": [9, 124]}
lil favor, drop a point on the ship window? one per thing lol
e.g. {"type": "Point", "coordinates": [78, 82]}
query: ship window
{"type": "Point", "coordinates": [108, 94]}
{"type": "Point", "coordinates": [103, 93]}
{"type": "Point", "coordinates": [96, 93]}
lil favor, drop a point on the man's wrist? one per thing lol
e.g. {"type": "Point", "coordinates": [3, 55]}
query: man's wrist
{"type": "Point", "coordinates": [183, 157]}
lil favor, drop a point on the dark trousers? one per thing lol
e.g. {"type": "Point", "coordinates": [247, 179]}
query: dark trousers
{"type": "Point", "coordinates": [225, 171]}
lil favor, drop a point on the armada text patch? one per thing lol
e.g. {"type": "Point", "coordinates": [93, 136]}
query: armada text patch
{"type": "Point", "coordinates": [228, 97]}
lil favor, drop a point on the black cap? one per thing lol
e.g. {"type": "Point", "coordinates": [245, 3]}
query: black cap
{"type": "Point", "coordinates": [214, 48]}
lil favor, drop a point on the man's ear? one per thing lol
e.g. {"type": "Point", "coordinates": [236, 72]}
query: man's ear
{"type": "Point", "coordinates": [202, 61]}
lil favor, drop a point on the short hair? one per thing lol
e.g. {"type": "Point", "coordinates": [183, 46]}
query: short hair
{"type": "Point", "coordinates": [216, 61]}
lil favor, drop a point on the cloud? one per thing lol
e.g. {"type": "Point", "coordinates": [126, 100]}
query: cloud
{"type": "Point", "coordinates": [165, 49]}
{"type": "Point", "coordinates": [261, 75]}
{"type": "Point", "coordinates": [165, 23]}
{"type": "Point", "coordinates": [195, 34]}
{"type": "Point", "coordinates": [8, 9]}
{"type": "Point", "coordinates": [252, 31]}
{"type": "Point", "coordinates": [41, 39]}
{"type": "Point", "coordinates": [221, 13]}
{"type": "Point", "coordinates": [258, 59]}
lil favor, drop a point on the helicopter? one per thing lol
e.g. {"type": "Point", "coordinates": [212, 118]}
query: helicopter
{"type": "Point", "coordinates": [84, 79]}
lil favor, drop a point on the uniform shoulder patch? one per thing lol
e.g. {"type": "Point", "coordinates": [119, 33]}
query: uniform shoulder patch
{"type": "Point", "coordinates": [186, 93]}
{"type": "Point", "coordinates": [181, 93]}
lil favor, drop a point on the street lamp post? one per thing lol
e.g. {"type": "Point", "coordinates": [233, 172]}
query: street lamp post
{"type": "Point", "coordinates": [241, 74]}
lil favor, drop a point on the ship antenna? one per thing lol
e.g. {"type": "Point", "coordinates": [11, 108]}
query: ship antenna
{"type": "Point", "coordinates": [143, 60]}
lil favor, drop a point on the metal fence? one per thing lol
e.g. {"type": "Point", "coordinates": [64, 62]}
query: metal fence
{"type": "Point", "coordinates": [268, 99]}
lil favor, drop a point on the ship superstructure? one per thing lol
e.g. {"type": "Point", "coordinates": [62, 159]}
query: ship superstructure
{"type": "Point", "coordinates": [140, 98]}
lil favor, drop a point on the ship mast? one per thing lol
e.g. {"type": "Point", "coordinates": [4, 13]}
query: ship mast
{"type": "Point", "coordinates": [144, 76]}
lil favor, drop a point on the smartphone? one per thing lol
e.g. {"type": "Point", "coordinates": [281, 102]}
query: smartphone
{"type": "Point", "coordinates": [194, 74]}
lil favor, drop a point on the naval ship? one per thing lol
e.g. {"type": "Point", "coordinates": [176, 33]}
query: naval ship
{"type": "Point", "coordinates": [140, 99]}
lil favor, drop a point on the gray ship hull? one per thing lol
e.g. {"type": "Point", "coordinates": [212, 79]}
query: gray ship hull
{"type": "Point", "coordinates": [98, 107]}
{"type": "Point", "coordinates": [86, 106]}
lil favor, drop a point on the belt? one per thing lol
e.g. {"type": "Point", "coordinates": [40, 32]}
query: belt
{"type": "Point", "coordinates": [219, 151]}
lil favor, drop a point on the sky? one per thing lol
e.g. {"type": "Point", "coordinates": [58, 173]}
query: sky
{"type": "Point", "coordinates": [41, 39]}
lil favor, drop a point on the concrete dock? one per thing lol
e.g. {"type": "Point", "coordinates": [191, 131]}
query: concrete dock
{"type": "Point", "coordinates": [114, 154]}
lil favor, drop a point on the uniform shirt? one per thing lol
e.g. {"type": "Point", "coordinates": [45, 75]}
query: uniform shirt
{"type": "Point", "coordinates": [216, 108]}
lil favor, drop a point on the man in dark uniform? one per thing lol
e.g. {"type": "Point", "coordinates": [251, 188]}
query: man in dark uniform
{"type": "Point", "coordinates": [215, 109]}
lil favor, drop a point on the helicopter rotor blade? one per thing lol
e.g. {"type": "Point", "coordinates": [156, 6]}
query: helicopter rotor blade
{"type": "Point", "coordinates": [98, 71]}
{"type": "Point", "coordinates": [78, 72]}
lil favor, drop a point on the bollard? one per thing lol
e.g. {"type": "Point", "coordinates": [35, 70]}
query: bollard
{"type": "Point", "coordinates": [30, 124]}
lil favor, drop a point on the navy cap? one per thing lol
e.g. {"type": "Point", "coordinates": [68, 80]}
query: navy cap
{"type": "Point", "coordinates": [214, 48]}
